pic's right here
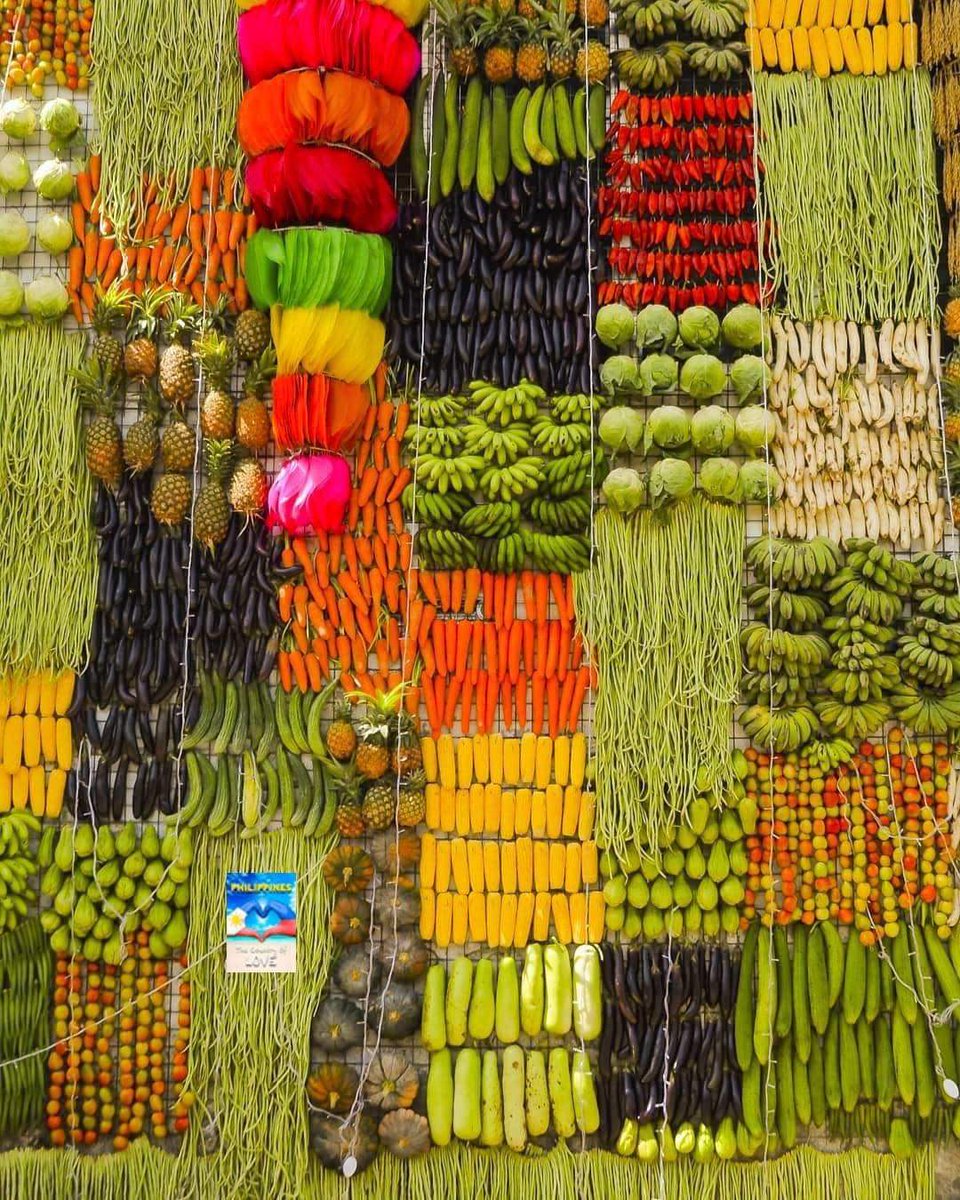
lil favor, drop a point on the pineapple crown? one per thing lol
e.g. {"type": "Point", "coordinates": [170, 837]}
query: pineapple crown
{"type": "Point", "coordinates": [381, 709]}
{"type": "Point", "coordinates": [497, 26]}
{"type": "Point", "coordinates": [145, 312]}
{"type": "Point", "coordinates": [109, 307]}
{"type": "Point", "coordinates": [97, 387]}
{"type": "Point", "coordinates": [344, 780]}
{"type": "Point", "coordinates": [457, 21]}
{"type": "Point", "coordinates": [180, 317]}
{"type": "Point", "coordinates": [260, 373]}
{"type": "Point", "coordinates": [218, 456]}
{"type": "Point", "coordinates": [558, 21]}
{"type": "Point", "coordinates": [152, 403]}
{"type": "Point", "coordinates": [215, 353]}
{"type": "Point", "coordinates": [414, 782]}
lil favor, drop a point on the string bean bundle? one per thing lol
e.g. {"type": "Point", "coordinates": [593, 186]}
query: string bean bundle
{"type": "Point", "coordinates": [850, 191]}
{"type": "Point", "coordinates": [48, 561]}
{"type": "Point", "coordinates": [661, 608]}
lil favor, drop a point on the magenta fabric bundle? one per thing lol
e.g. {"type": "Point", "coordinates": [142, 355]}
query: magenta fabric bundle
{"type": "Point", "coordinates": [309, 495]}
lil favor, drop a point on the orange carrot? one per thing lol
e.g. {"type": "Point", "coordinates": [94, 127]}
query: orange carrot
{"type": "Point", "coordinates": [393, 553]}
{"type": "Point", "coordinates": [490, 645]}
{"type": "Point", "coordinates": [541, 590]}
{"type": "Point", "coordinates": [283, 666]}
{"type": "Point", "coordinates": [87, 296]}
{"type": "Point", "coordinates": [380, 381]}
{"type": "Point", "coordinates": [442, 579]}
{"type": "Point", "coordinates": [520, 701]}
{"type": "Point", "coordinates": [343, 651]}
{"type": "Point", "coordinates": [569, 611]}
{"type": "Point", "coordinates": [213, 176]}
{"type": "Point", "coordinates": [529, 598]}
{"type": "Point", "coordinates": [539, 690]}
{"type": "Point", "coordinates": [353, 511]}
{"type": "Point", "coordinates": [322, 655]}
{"type": "Point", "coordinates": [510, 600]}
{"type": "Point", "coordinates": [156, 254]}
{"type": "Point", "coordinates": [559, 592]}
{"type": "Point", "coordinates": [348, 585]}
{"type": "Point", "coordinates": [514, 646]}
{"type": "Point", "coordinates": [90, 246]}
{"type": "Point", "coordinates": [193, 271]}
{"type": "Point", "coordinates": [439, 647]}
{"type": "Point", "coordinates": [347, 617]}
{"type": "Point", "coordinates": [563, 650]}
{"type": "Point", "coordinates": [178, 226]}
{"type": "Point", "coordinates": [391, 589]}
{"type": "Point", "coordinates": [456, 591]}
{"type": "Point", "coordinates": [165, 265]}
{"type": "Point", "coordinates": [143, 262]}
{"type": "Point", "coordinates": [85, 190]}
{"type": "Point", "coordinates": [104, 250]}
{"type": "Point", "coordinates": [75, 306]}
{"type": "Point", "coordinates": [379, 455]}
{"type": "Point", "coordinates": [450, 703]}
{"type": "Point", "coordinates": [285, 601]}
{"type": "Point", "coordinates": [553, 707]}
{"type": "Point", "coordinates": [553, 648]}
{"type": "Point", "coordinates": [405, 544]}
{"type": "Point", "coordinates": [195, 232]}
{"type": "Point", "coordinates": [393, 639]}
{"type": "Point", "coordinates": [463, 647]}
{"type": "Point", "coordinates": [213, 261]}
{"type": "Point", "coordinates": [237, 225]}
{"type": "Point", "coordinates": [228, 183]}
{"type": "Point", "coordinates": [403, 420]}
{"type": "Point", "coordinates": [382, 651]}
{"type": "Point", "coordinates": [566, 699]}
{"type": "Point", "coordinates": [506, 702]}
{"type": "Point", "coordinates": [78, 220]}
{"type": "Point", "coordinates": [471, 589]}
{"type": "Point", "coordinates": [75, 267]}
{"type": "Point", "coordinates": [336, 552]}
{"type": "Point", "coordinates": [375, 582]}
{"type": "Point", "coordinates": [396, 516]}
{"type": "Point", "coordinates": [114, 263]}
{"type": "Point", "coordinates": [314, 615]}
{"type": "Point", "coordinates": [230, 269]}
{"type": "Point", "coordinates": [430, 703]}
{"type": "Point", "coordinates": [368, 485]}
{"type": "Point", "coordinates": [221, 219]}
{"type": "Point", "coordinates": [196, 188]}
{"type": "Point", "coordinates": [384, 481]}
{"type": "Point", "coordinates": [384, 418]}
{"type": "Point", "coordinates": [576, 701]}
{"type": "Point", "coordinates": [476, 649]}
{"type": "Point", "coordinates": [403, 477]}
{"type": "Point", "coordinates": [439, 696]}
{"type": "Point", "coordinates": [161, 221]}
{"type": "Point", "coordinates": [93, 166]}
{"type": "Point", "coordinates": [197, 292]}
{"type": "Point", "coordinates": [183, 252]}
{"type": "Point", "coordinates": [450, 637]}
{"type": "Point", "coordinates": [492, 694]}
{"type": "Point", "coordinates": [393, 453]}
{"type": "Point", "coordinates": [300, 637]}
{"type": "Point", "coordinates": [529, 637]}
{"type": "Point", "coordinates": [466, 703]}
{"type": "Point", "coordinates": [299, 668]}
{"type": "Point", "coordinates": [301, 597]}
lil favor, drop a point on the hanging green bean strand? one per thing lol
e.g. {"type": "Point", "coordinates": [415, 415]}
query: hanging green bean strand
{"type": "Point", "coordinates": [48, 559]}
{"type": "Point", "coordinates": [661, 608]}
{"type": "Point", "coordinates": [850, 194]}
{"type": "Point", "coordinates": [167, 84]}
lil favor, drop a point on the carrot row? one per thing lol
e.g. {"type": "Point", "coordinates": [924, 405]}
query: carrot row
{"type": "Point", "coordinates": [547, 705]}
{"type": "Point", "coordinates": [379, 475]}
{"type": "Point", "coordinates": [501, 598]}
{"type": "Point", "coordinates": [456, 649]}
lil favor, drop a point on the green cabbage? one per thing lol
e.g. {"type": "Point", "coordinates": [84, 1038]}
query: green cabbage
{"type": "Point", "coordinates": [750, 377]}
{"type": "Point", "coordinates": [615, 325]}
{"type": "Point", "coordinates": [14, 234]}
{"type": "Point", "coordinates": [658, 373]}
{"type": "Point", "coordinates": [18, 119]}
{"type": "Point", "coordinates": [699, 327]}
{"type": "Point", "coordinates": [719, 478]}
{"type": "Point", "coordinates": [54, 233]}
{"type": "Point", "coordinates": [11, 294]}
{"type": "Point", "coordinates": [621, 428]}
{"type": "Point", "coordinates": [702, 376]}
{"type": "Point", "coordinates": [712, 430]}
{"type": "Point", "coordinates": [760, 482]}
{"type": "Point", "coordinates": [620, 374]}
{"type": "Point", "coordinates": [46, 298]}
{"type": "Point", "coordinates": [53, 179]}
{"type": "Point", "coordinates": [667, 427]}
{"type": "Point", "coordinates": [756, 428]}
{"type": "Point", "coordinates": [742, 327]}
{"type": "Point", "coordinates": [623, 490]}
{"type": "Point", "coordinates": [14, 172]}
{"type": "Point", "coordinates": [656, 327]}
{"type": "Point", "coordinates": [61, 119]}
{"type": "Point", "coordinates": [670, 479]}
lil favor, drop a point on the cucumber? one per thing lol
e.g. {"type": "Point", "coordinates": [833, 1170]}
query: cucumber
{"type": "Point", "coordinates": [285, 777]}
{"type": "Point", "coordinates": [221, 805]}
{"type": "Point", "coordinates": [743, 1011]}
{"type": "Point", "coordinates": [302, 790]}
{"type": "Point", "coordinates": [818, 1096]}
{"type": "Point", "coordinates": [548, 126]}
{"type": "Point", "coordinates": [835, 958]}
{"type": "Point", "coordinates": [255, 721]}
{"type": "Point", "coordinates": [231, 708]}
{"type": "Point", "coordinates": [906, 999]}
{"type": "Point", "coordinates": [518, 150]}
{"type": "Point", "coordinates": [578, 110]}
{"type": "Point", "coordinates": [486, 183]}
{"type": "Point", "coordinates": [297, 724]}
{"type": "Point", "coordinates": [440, 1098]}
{"type": "Point", "coordinates": [865, 1052]}
{"type": "Point", "coordinates": [766, 999]}
{"type": "Point", "coordinates": [818, 981]}
{"type": "Point", "coordinates": [457, 1001]}
{"type": "Point", "coordinates": [786, 1104]}
{"type": "Point", "coordinates": [871, 1001]}
{"type": "Point", "coordinates": [801, 996]}
{"type": "Point", "coordinates": [566, 138]}
{"type": "Point", "coordinates": [470, 134]}
{"type": "Point", "coordinates": [536, 1095]}
{"type": "Point", "coordinates": [831, 1061]}
{"type": "Point", "coordinates": [884, 1078]}
{"type": "Point", "coordinates": [239, 738]}
{"type": "Point", "coordinates": [854, 979]}
{"type": "Point", "coordinates": [783, 1021]}
{"type": "Point", "coordinates": [752, 1115]}
{"type": "Point", "coordinates": [466, 1095]}
{"type": "Point", "coordinates": [903, 1058]}
{"type": "Point", "coordinates": [801, 1091]}
{"type": "Point", "coordinates": [561, 1092]}
{"type": "Point", "coordinates": [531, 129]}
{"type": "Point", "coordinates": [451, 144]}
{"type": "Point", "coordinates": [268, 739]}
{"type": "Point", "coordinates": [500, 135]}
{"type": "Point", "coordinates": [418, 147]}
{"type": "Point", "coordinates": [923, 1069]}
{"type": "Point", "coordinates": [438, 137]}
{"type": "Point", "coordinates": [208, 705]}
{"type": "Point", "coordinates": [251, 793]}
{"type": "Point", "coordinates": [598, 117]}
{"type": "Point", "coordinates": [849, 1067]}
{"type": "Point", "coordinates": [282, 713]}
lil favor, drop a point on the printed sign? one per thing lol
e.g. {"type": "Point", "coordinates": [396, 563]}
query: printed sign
{"type": "Point", "coordinates": [261, 923]}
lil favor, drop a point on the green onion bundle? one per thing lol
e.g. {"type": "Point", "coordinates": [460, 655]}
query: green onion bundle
{"type": "Point", "coordinates": [850, 191]}
{"type": "Point", "coordinates": [661, 608]}
{"type": "Point", "coordinates": [167, 85]}
{"type": "Point", "coordinates": [48, 557]}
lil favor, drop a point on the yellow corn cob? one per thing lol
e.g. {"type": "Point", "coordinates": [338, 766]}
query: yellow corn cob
{"type": "Point", "coordinates": [596, 917]}
{"type": "Point", "coordinates": [493, 919]}
{"type": "Point", "coordinates": [431, 769]}
{"type": "Point", "coordinates": [538, 814]}
{"type": "Point", "coordinates": [464, 762]}
{"type": "Point", "coordinates": [561, 761]}
{"type": "Point", "coordinates": [508, 809]}
{"type": "Point", "coordinates": [443, 921]}
{"type": "Point", "coordinates": [768, 47]}
{"type": "Point", "coordinates": [866, 12]}
{"type": "Point", "coordinates": [508, 919]}
{"type": "Point", "coordinates": [891, 10]}
{"type": "Point", "coordinates": [524, 864]}
{"type": "Point", "coordinates": [511, 762]}
{"type": "Point", "coordinates": [851, 51]}
{"type": "Point", "coordinates": [12, 743]}
{"type": "Point", "coordinates": [879, 49]}
{"type": "Point", "coordinates": [458, 924]}
{"type": "Point", "coordinates": [442, 871]}
{"type": "Point", "coordinates": [477, 915]}
{"type": "Point", "coordinates": [428, 860]}
{"type": "Point", "coordinates": [906, 11]}
{"type": "Point", "coordinates": [560, 908]}
{"type": "Point", "coordinates": [763, 13]}
{"type": "Point", "coordinates": [446, 761]}
{"type": "Point", "coordinates": [476, 807]}
{"type": "Point", "coordinates": [791, 14]}
{"type": "Point", "coordinates": [544, 762]}
{"type": "Point", "coordinates": [481, 758]}
{"type": "Point", "coordinates": [31, 696]}
{"type": "Point", "coordinates": [56, 786]}
{"type": "Point", "coordinates": [521, 930]}
{"type": "Point", "coordinates": [777, 9]}
{"type": "Point", "coordinates": [818, 52]}
{"type": "Point", "coordinates": [459, 866]}
{"type": "Point", "coordinates": [37, 791]}
{"type": "Point", "coordinates": [475, 869]}
{"type": "Point", "coordinates": [541, 917]}
{"type": "Point", "coordinates": [48, 738]}
{"type": "Point", "coordinates": [21, 787]}
{"type": "Point", "coordinates": [834, 49]}
{"type": "Point", "coordinates": [572, 876]}
{"type": "Point", "coordinates": [909, 45]}
{"type": "Point", "coordinates": [825, 13]}
{"type": "Point", "coordinates": [448, 809]}
{"type": "Point", "coordinates": [4, 697]}
{"type": "Point", "coordinates": [48, 694]}
{"type": "Point", "coordinates": [750, 19]}
{"type": "Point", "coordinates": [528, 758]}
{"type": "Point", "coordinates": [571, 811]}
{"type": "Point", "coordinates": [801, 49]}
{"type": "Point", "coordinates": [62, 742]}
{"type": "Point", "coordinates": [589, 862]}
{"type": "Point", "coordinates": [522, 812]}
{"type": "Point", "coordinates": [508, 867]}
{"type": "Point", "coordinates": [31, 739]}
{"type": "Point", "coordinates": [18, 691]}
{"type": "Point", "coordinates": [841, 12]}
{"type": "Point", "coordinates": [588, 808]}
{"type": "Point", "coordinates": [496, 758]}
{"type": "Point", "coordinates": [6, 791]}
{"type": "Point", "coordinates": [428, 913]}
{"type": "Point", "coordinates": [865, 46]}
{"type": "Point", "coordinates": [463, 811]}
{"type": "Point", "coordinates": [64, 696]}
{"type": "Point", "coordinates": [894, 47]}
{"type": "Point", "coordinates": [554, 798]}
{"type": "Point", "coordinates": [578, 759]}
{"type": "Point", "coordinates": [558, 865]}
{"type": "Point", "coordinates": [491, 808]}
{"type": "Point", "coordinates": [431, 797]}
{"type": "Point", "coordinates": [541, 866]}
{"type": "Point", "coordinates": [491, 866]}
{"type": "Point", "coordinates": [578, 918]}
{"type": "Point", "coordinates": [808, 13]}
{"type": "Point", "coordinates": [784, 50]}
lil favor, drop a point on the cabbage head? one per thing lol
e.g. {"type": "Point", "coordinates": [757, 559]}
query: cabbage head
{"type": "Point", "coordinates": [656, 327]}
{"type": "Point", "coordinates": [53, 179]}
{"type": "Point", "coordinates": [712, 430]}
{"type": "Point", "coordinates": [750, 376]}
{"type": "Point", "coordinates": [667, 427]}
{"type": "Point", "coordinates": [719, 479]}
{"type": "Point", "coordinates": [615, 325]}
{"type": "Point", "coordinates": [18, 119]}
{"type": "Point", "coordinates": [658, 373]}
{"type": "Point", "coordinates": [742, 327]}
{"type": "Point", "coordinates": [46, 298]}
{"type": "Point", "coordinates": [702, 377]}
{"type": "Point", "coordinates": [61, 119]}
{"type": "Point", "coordinates": [14, 234]}
{"type": "Point", "coordinates": [756, 428]}
{"type": "Point", "coordinates": [759, 482]}
{"type": "Point", "coordinates": [14, 172]}
{"type": "Point", "coordinates": [620, 374]}
{"type": "Point", "coordinates": [624, 490]}
{"type": "Point", "coordinates": [670, 479]}
{"type": "Point", "coordinates": [621, 429]}
{"type": "Point", "coordinates": [54, 233]}
{"type": "Point", "coordinates": [699, 327]}
{"type": "Point", "coordinates": [11, 294]}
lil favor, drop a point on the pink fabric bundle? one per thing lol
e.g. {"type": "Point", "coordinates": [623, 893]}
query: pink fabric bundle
{"type": "Point", "coordinates": [308, 185]}
{"type": "Point", "coordinates": [309, 494]}
{"type": "Point", "coordinates": [337, 35]}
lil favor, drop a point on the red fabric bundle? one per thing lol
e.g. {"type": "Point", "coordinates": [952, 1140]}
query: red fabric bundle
{"type": "Point", "coordinates": [318, 412]}
{"type": "Point", "coordinates": [337, 35]}
{"type": "Point", "coordinates": [320, 184]}
{"type": "Point", "coordinates": [303, 106]}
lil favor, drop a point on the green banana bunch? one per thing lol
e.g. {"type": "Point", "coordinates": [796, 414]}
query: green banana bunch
{"type": "Point", "coordinates": [17, 866]}
{"type": "Point", "coordinates": [861, 674]}
{"type": "Point", "coordinates": [433, 509]}
{"type": "Point", "coordinates": [714, 18]}
{"type": "Point", "coordinates": [437, 441]}
{"type": "Point", "coordinates": [650, 20]}
{"type": "Point", "coordinates": [448, 474]}
{"type": "Point", "coordinates": [574, 408]}
{"type": "Point", "coordinates": [930, 603]}
{"type": "Point", "coordinates": [792, 609]}
{"type": "Point", "coordinates": [564, 553]}
{"type": "Point", "coordinates": [895, 575]}
{"type": "Point", "coordinates": [937, 571]}
{"type": "Point", "coordinates": [794, 564]}
{"type": "Point", "coordinates": [777, 690]}
{"type": "Point", "coordinates": [506, 405]}
{"type": "Point", "coordinates": [502, 446]}
{"type": "Point", "coordinates": [503, 555]}
{"type": "Point", "coordinates": [845, 630]}
{"type": "Point", "coordinates": [853, 721]}
{"type": "Point", "coordinates": [555, 439]}
{"type": "Point", "coordinates": [927, 713]}
{"type": "Point", "coordinates": [716, 63]}
{"type": "Point", "coordinates": [848, 591]}
{"type": "Point", "coordinates": [924, 664]}
{"type": "Point", "coordinates": [561, 516]}
{"type": "Point", "coordinates": [780, 650]}
{"type": "Point", "coordinates": [505, 483]}
{"type": "Point", "coordinates": [572, 473]}
{"type": "Point", "coordinates": [445, 549]}
{"type": "Point", "coordinates": [651, 66]}
{"type": "Point", "coordinates": [830, 753]}
{"type": "Point", "coordinates": [494, 520]}
{"type": "Point", "coordinates": [784, 730]}
{"type": "Point", "coordinates": [437, 412]}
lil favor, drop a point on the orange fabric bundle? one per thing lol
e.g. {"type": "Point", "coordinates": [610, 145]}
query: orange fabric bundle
{"type": "Point", "coordinates": [317, 411]}
{"type": "Point", "coordinates": [303, 106]}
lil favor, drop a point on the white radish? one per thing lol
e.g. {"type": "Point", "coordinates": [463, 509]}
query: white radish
{"type": "Point", "coordinates": [793, 343]}
{"type": "Point", "coordinates": [829, 354]}
{"type": "Point", "coordinates": [840, 345]}
{"type": "Point", "coordinates": [923, 353]}
{"type": "Point", "coordinates": [853, 343]}
{"type": "Point", "coordinates": [899, 342]}
{"type": "Point", "coordinates": [803, 338]}
{"type": "Point", "coordinates": [816, 349]}
{"type": "Point", "coordinates": [780, 348]}
{"type": "Point", "coordinates": [885, 344]}
{"type": "Point", "coordinates": [871, 357]}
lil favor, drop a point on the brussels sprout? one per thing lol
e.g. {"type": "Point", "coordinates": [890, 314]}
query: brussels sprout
{"type": "Point", "coordinates": [702, 377]}
{"type": "Point", "coordinates": [615, 325]}
{"type": "Point", "coordinates": [621, 428]}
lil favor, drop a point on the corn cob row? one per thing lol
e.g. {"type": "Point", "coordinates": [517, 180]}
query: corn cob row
{"type": "Point", "coordinates": [826, 14]}
{"type": "Point", "coordinates": [35, 734]}
{"type": "Point", "coordinates": [465, 865]}
{"type": "Point", "coordinates": [488, 808]}
{"type": "Point", "coordinates": [828, 50]}
{"type": "Point", "coordinates": [509, 919]}
{"type": "Point", "coordinates": [491, 758]}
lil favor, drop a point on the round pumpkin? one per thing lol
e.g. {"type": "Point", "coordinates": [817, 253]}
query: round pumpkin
{"type": "Point", "coordinates": [404, 1133]}
{"type": "Point", "coordinates": [332, 1086]}
{"type": "Point", "coordinates": [354, 968]}
{"type": "Point", "coordinates": [400, 1006]}
{"type": "Point", "coordinates": [348, 869]}
{"type": "Point", "coordinates": [332, 1141]}
{"type": "Point", "coordinates": [350, 920]}
{"type": "Point", "coordinates": [412, 959]}
{"type": "Point", "coordinates": [391, 850]}
{"type": "Point", "coordinates": [337, 1025]}
{"type": "Point", "coordinates": [392, 1081]}
{"type": "Point", "coordinates": [396, 909]}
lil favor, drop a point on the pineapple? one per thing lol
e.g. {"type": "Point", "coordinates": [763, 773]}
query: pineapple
{"type": "Point", "coordinates": [380, 803]}
{"type": "Point", "coordinates": [378, 727]}
{"type": "Point", "coordinates": [561, 48]}
{"type": "Point", "coordinates": [170, 499]}
{"type": "Point", "coordinates": [457, 23]}
{"type": "Point", "coordinates": [142, 440]}
{"type": "Point", "coordinates": [179, 445]}
{"type": "Point", "coordinates": [176, 364]}
{"type": "Point", "coordinates": [211, 513]}
{"type": "Point", "coordinates": [594, 12]}
{"type": "Point", "coordinates": [531, 56]}
{"type": "Point", "coordinates": [951, 422]}
{"type": "Point", "coordinates": [97, 390]}
{"type": "Point", "coordinates": [412, 806]}
{"type": "Point", "coordinates": [252, 334]}
{"type": "Point", "coordinates": [373, 757]}
{"type": "Point", "coordinates": [253, 419]}
{"type": "Point", "coordinates": [140, 353]}
{"type": "Point", "coordinates": [407, 757]}
{"type": "Point", "coordinates": [593, 63]}
{"type": "Point", "coordinates": [951, 371]}
{"type": "Point", "coordinates": [349, 815]}
{"type": "Point", "coordinates": [108, 308]}
{"type": "Point", "coordinates": [248, 488]}
{"type": "Point", "coordinates": [951, 315]}
{"type": "Point", "coordinates": [341, 736]}
{"type": "Point", "coordinates": [497, 32]}
{"type": "Point", "coordinates": [215, 354]}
